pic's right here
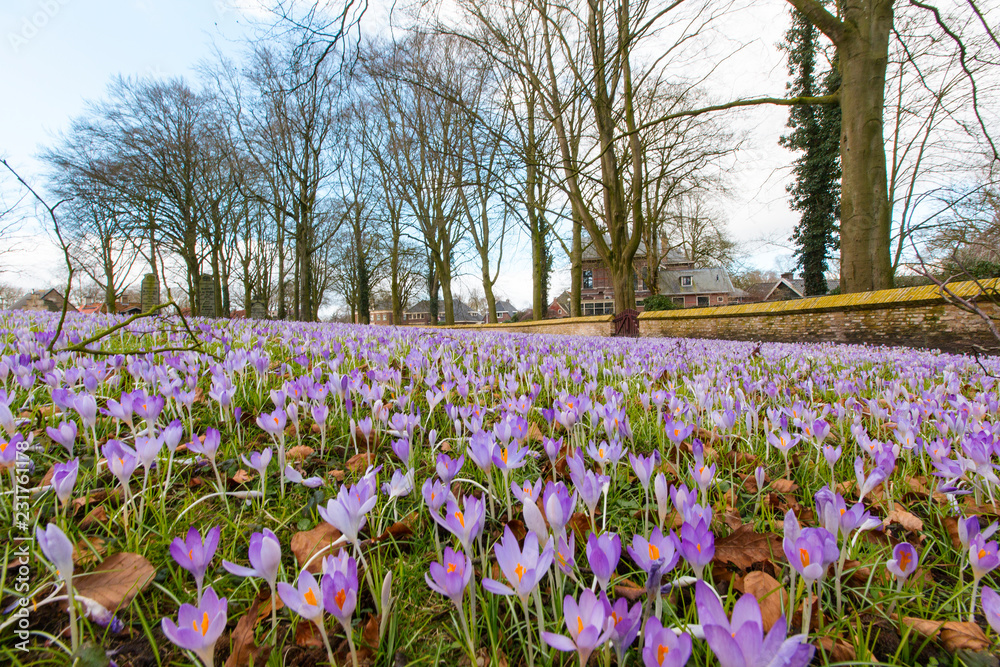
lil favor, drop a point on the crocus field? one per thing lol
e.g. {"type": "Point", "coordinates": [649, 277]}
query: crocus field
{"type": "Point", "coordinates": [298, 494]}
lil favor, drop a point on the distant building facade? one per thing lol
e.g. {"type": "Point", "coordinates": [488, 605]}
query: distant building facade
{"type": "Point", "coordinates": [784, 288]}
{"type": "Point", "coordinates": [43, 300]}
{"type": "Point", "coordinates": [678, 278]}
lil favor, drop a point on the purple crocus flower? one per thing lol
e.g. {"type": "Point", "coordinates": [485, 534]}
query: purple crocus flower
{"type": "Point", "coordinates": [451, 576]}
{"type": "Point", "coordinates": [347, 512]}
{"type": "Point", "coordinates": [741, 642]}
{"type": "Point", "coordinates": [340, 592]}
{"type": "Point", "coordinates": [64, 479]}
{"type": "Point", "coordinates": [448, 468]}
{"type": "Point", "coordinates": [64, 435]}
{"type": "Point", "coordinates": [435, 494]}
{"type": "Point", "coordinates": [273, 422]}
{"type": "Point", "coordinates": [466, 525]}
{"type": "Point", "coordinates": [523, 569]}
{"type": "Point", "coordinates": [122, 460]}
{"type": "Point", "coordinates": [527, 491]}
{"type": "Point", "coordinates": [982, 556]}
{"type": "Point", "coordinates": [304, 598]}
{"type": "Point", "coordinates": [57, 549]}
{"type": "Point", "coordinates": [295, 477]}
{"type": "Point", "coordinates": [208, 447]}
{"type": "Point", "coordinates": [559, 505]}
{"type": "Point", "coordinates": [552, 447]}
{"type": "Point", "coordinates": [659, 549]}
{"type": "Point", "coordinates": [194, 554]}
{"type": "Point", "coordinates": [812, 552]}
{"type": "Point", "coordinates": [643, 467]}
{"type": "Point", "coordinates": [991, 608]}
{"type": "Point", "coordinates": [482, 446]}
{"type": "Point", "coordinates": [697, 545]}
{"type": "Point", "coordinates": [603, 554]}
{"type": "Point", "coordinates": [590, 487]}
{"type": "Point", "coordinates": [265, 559]}
{"type": "Point", "coordinates": [565, 553]}
{"type": "Point", "coordinates": [401, 484]}
{"type": "Point", "coordinates": [663, 648]}
{"type": "Point", "coordinates": [903, 562]}
{"type": "Point", "coordinates": [662, 498]}
{"type": "Point", "coordinates": [625, 624]}
{"type": "Point", "coordinates": [198, 628]}
{"type": "Point", "coordinates": [677, 431]}
{"type": "Point", "coordinates": [587, 623]}
{"type": "Point", "coordinates": [258, 460]}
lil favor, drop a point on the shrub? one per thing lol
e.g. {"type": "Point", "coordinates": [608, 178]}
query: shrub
{"type": "Point", "coordinates": [660, 302]}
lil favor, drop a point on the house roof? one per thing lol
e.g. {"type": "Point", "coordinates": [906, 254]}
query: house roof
{"type": "Point", "coordinates": [462, 312]}
{"type": "Point", "coordinates": [703, 281]}
{"type": "Point", "coordinates": [52, 299]}
{"type": "Point", "coordinates": [503, 306]}
{"type": "Point", "coordinates": [764, 291]}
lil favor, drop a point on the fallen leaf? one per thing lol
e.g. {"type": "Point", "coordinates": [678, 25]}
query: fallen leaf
{"type": "Point", "coordinates": [954, 635]}
{"type": "Point", "coordinates": [370, 633]}
{"type": "Point", "coordinates": [360, 462]}
{"type": "Point", "coordinates": [517, 527]}
{"type": "Point", "coordinates": [579, 523]}
{"type": "Point", "coordinates": [116, 581]}
{"type": "Point", "coordinates": [241, 476]}
{"type": "Point", "coordinates": [732, 519]}
{"type": "Point", "coordinates": [298, 453]}
{"type": "Point", "coordinates": [306, 634]}
{"type": "Point", "coordinates": [84, 551]}
{"type": "Point", "coordinates": [951, 525]}
{"type": "Point", "coordinates": [743, 548]}
{"type": "Point", "coordinates": [837, 649]}
{"type": "Point", "coordinates": [316, 430]}
{"type": "Point", "coordinates": [399, 530]}
{"type": "Point", "coordinates": [98, 515]}
{"type": "Point", "coordinates": [630, 593]}
{"type": "Point", "coordinates": [784, 486]}
{"type": "Point", "coordinates": [770, 595]}
{"type": "Point", "coordinates": [338, 475]}
{"type": "Point", "coordinates": [243, 647]}
{"type": "Point", "coordinates": [907, 520]}
{"type": "Point", "coordinates": [307, 543]}
{"type": "Point", "coordinates": [534, 433]}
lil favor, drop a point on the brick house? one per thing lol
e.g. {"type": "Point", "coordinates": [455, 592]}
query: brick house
{"type": "Point", "coordinates": [559, 307]}
{"type": "Point", "coordinates": [420, 314]}
{"type": "Point", "coordinates": [381, 313]}
{"type": "Point", "coordinates": [44, 300]}
{"type": "Point", "coordinates": [678, 278]}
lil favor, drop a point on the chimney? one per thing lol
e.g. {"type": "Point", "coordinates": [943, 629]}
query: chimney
{"type": "Point", "coordinates": [788, 276]}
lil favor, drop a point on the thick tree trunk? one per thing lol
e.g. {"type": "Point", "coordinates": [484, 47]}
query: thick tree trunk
{"type": "Point", "coordinates": [538, 265]}
{"type": "Point", "coordinates": [865, 262]}
{"type": "Point", "coordinates": [449, 302]}
{"type": "Point", "coordinates": [622, 277]}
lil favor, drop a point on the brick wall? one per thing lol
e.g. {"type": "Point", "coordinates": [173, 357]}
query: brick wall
{"type": "Point", "coordinates": [595, 325]}
{"type": "Point", "coordinates": [912, 317]}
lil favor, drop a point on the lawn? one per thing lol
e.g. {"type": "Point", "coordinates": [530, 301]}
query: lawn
{"type": "Point", "coordinates": [285, 493]}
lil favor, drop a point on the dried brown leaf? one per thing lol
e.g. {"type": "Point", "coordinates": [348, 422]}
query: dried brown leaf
{"type": "Point", "coordinates": [298, 453]}
{"type": "Point", "coordinates": [954, 635]}
{"type": "Point", "coordinates": [743, 548]}
{"type": "Point", "coordinates": [770, 595]}
{"type": "Point", "coordinates": [116, 581]}
{"type": "Point", "coordinates": [360, 462]}
{"type": "Point", "coordinates": [244, 647]}
{"type": "Point", "coordinates": [907, 520]}
{"type": "Point", "coordinates": [837, 649]}
{"type": "Point", "coordinates": [308, 542]}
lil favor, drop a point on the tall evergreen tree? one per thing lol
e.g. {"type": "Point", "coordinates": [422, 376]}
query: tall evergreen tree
{"type": "Point", "coordinates": [816, 134]}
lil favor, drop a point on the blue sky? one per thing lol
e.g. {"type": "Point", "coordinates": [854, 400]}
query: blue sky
{"type": "Point", "coordinates": [55, 55]}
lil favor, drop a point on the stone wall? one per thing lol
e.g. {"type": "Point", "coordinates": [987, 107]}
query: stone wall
{"type": "Point", "coordinates": [595, 325]}
{"type": "Point", "coordinates": [912, 317]}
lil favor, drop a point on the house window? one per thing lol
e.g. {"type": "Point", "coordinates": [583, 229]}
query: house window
{"type": "Point", "coordinates": [679, 300]}
{"type": "Point", "coordinates": [719, 299]}
{"type": "Point", "coordinates": [635, 280]}
{"type": "Point", "coordinates": [687, 281]}
{"type": "Point", "coordinates": [702, 300]}
{"type": "Point", "coordinates": [599, 308]}
{"type": "Point", "coordinates": [588, 279]}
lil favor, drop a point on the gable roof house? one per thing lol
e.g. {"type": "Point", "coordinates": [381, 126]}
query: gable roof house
{"type": "Point", "coordinates": [43, 300]}
{"type": "Point", "coordinates": [419, 314]}
{"type": "Point", "coordinates": [559, 307]}
{"type": "Point", "coordinates": [784, 288]}
{"type": "Point", "coordinates": [678, 278]}
{"type": "Point", "coordinates": [505, 311]}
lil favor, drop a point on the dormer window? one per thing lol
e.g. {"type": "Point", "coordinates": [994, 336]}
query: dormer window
{"type": "Point", "coordinates": [687, 281]}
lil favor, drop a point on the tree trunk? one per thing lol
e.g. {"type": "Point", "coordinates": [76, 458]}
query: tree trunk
{"type": "Point", "coordinates": [538, 266]}
{"type": "Point", "coordinates": [282, 272]}
{"type": "Point", "coordinates": [865, 262]}
{"type": "Point", "coordinates": [576, 269]}
{"type": "Point", "coordinates": [622, 277]}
